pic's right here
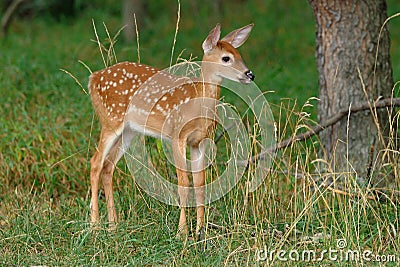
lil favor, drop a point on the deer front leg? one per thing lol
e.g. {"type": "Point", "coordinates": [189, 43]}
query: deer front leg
{"type": "Point", "coordinates": [197, 162]}
{"type": "Point", "coordinates": [179, 151]}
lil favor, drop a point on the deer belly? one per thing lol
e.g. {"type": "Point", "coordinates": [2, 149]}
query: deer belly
{"type": "Point", "coordinates": [196, 137]}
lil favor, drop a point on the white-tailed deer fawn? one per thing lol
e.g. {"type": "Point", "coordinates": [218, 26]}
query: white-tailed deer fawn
{"type": "Point", "coordinates": [123, 108]}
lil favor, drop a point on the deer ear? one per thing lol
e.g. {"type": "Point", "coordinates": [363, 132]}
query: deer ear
{"type": "Point", "coordinates": [211, 41]}
{"type": "Point", "coordinates": [237, 37]}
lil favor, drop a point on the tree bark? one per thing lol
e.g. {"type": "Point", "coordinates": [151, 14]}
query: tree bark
{"type": "Point", "coordinates": [129, 8]}
{"type": "Point", "coordinates": [346, 52]}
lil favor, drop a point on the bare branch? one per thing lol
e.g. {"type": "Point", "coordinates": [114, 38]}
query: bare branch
{"type": "Point", "coordinates": [8, 15]}
{"type": "Point", "coordinates": [388, 102]}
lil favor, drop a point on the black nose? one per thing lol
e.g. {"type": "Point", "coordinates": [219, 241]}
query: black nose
{"type": "Point", "coordinates": [250, 75]}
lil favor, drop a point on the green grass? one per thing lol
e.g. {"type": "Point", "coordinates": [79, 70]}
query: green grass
{"type": "Point", "coordinates": [48, 134]}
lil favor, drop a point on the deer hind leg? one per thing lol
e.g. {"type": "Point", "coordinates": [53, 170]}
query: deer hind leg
{"type": "Point", "coordinates": [107, 175]}
{"type": "Point", "coordinates": [197, 163]}
{"type": "Point", "coordinates": [179, 151]}
{"type": "Point", "coordinates": [108, 170]}
{"type": "Point", "coordinates": [107, 141]}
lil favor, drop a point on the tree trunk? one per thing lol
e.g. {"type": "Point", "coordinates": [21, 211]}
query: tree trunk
{"type": "Point", "coordinates": [346, 44]}
{"type": "Point", "coordinates": [129, 8]}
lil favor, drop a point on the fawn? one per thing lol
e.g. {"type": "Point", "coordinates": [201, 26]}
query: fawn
{"type": "Point", "coordinates": [122, 105]}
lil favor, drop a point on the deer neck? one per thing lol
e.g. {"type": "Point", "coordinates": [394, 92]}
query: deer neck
{"type": "Point", "coordinates": [209, 85]}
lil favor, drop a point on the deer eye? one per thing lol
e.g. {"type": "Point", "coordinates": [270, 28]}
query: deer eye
{"type": "Point", "coordinates": [226, 59]}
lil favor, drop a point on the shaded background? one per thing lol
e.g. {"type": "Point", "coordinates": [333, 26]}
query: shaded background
{"type": "Point", "coordinates": [280, 50]}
